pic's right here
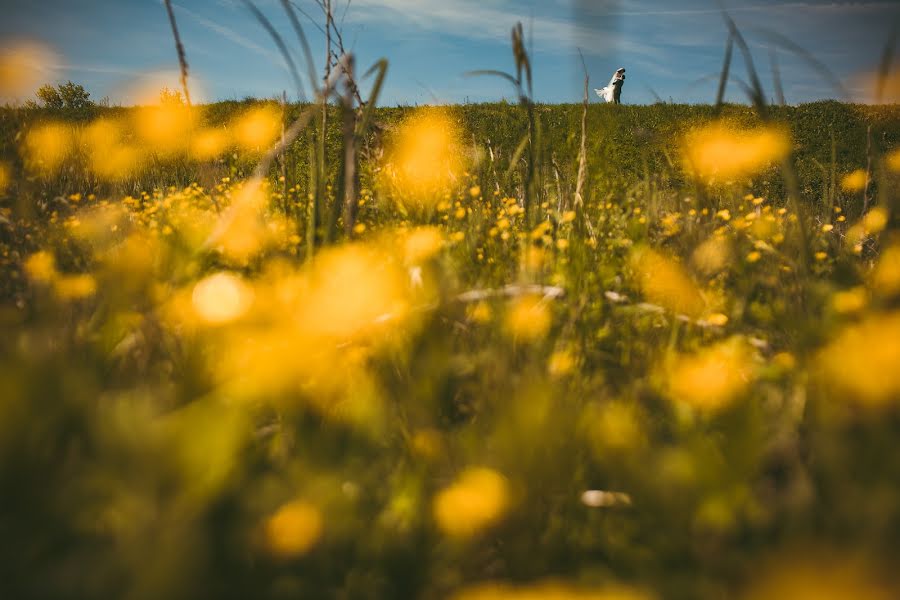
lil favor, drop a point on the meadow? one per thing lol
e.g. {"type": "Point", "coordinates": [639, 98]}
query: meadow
{"type": "Point", "coordinates": [469, 352]}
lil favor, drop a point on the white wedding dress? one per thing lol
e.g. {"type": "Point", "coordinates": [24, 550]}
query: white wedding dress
{"type": "Point", "coordinates": [608, 93]}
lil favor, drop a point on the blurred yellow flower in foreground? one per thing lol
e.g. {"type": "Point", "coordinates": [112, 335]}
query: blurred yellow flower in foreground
{"type": "Point", "coordinates": [893, 161]}
{"type": "Point", "coordinates": [258, 128]}
{"type": "Point", "coordinates": [665, 282]}
{"type": "Point", "coordinates": [166, 128]}
{"type": "Point", "coordinates": [22, 67]}
{"type": "Point", "coordinates": [424, 158]}
{"type": "Point", "coordinates": [529, 318]}
{"type": "Point", "coordinates": [221, 298]}
{"type": "Point", "coordinates": [75, 287]}
{"type": "Point", "coordinates": [885, 277]}
{"type": "Point", "coordinates": [244, 229]}
{"type": "Point", "coordinates": [722, 151]}
{"type": "Point", "coordinates": [422, 243]}
{"type": "Point", "coordinates": [854, 182]}
{"type": "Point", "coordinates": [824, 580]}
{"type": "Point", "coordinates": [549, 590]}
{"type": "Point", "coordinates": [207, 144]}
{"type": "Point", "coordinates": [561, 363]}
{"type": "Point", "coordinates": [293, 530]}
{"type": "Point", "coordinates": [860, 364]}
{"type": "Point", "coordinates": [612, 426]}
{"type": "Point", "coordinates": [353, 292]}
{"type": "Point", "coordinates": [875, 220]}
{"type": "Point", "coordinates": [109, 156]}
{"type": "Point", "coordinates": [5, 176]}
{"type": "Point", "coordinates": [850, 301]}
{"type": "Point", "coordinates": [41, 266]}
{"type": "Point", "coordinates": [47, 146]}
{"type": "Point", "coordinates": [713, 377]}
{"type": "Point", "coordinates": [476, 500]}
{"type": "Point", "coordinates": [712, 256]}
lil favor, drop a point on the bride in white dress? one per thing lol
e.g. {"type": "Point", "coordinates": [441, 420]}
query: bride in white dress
{"type": "Point", "coordinates": [613, 91]}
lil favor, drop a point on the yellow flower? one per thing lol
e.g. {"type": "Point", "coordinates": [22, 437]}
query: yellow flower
{"type": "Point", "coordinates": [860, 364]}
{"type": "Point", "coordinates": [424, 157]}
{"type": "Point", "coordinates": [561, 363]}
{"type": "Point", "coordinates": [47, 146]}
{"type": "Point", "coordinates": [221, 298]}
{"type": "Point", "coordinates": [719, 150]}
{"type": "Point", "coordinates": [475, 191]}
{"type": "Point", "coordinates": [893, 161]}
{"type": "Point", "coordinates": [529, 318]}
{"type": "Point", "coordinates": [257, 128]}
{"type": "Point", "coordinates": [854, 182]}
{"type": "Point", "coordinates": [753, 256]}
{"type": "Point", "coordinates": [821, 255]}
{"type": "Point", "coordinates": [785, 361]}
{"type": "Point", "coordinates": [850, 301]}
{"type": "Point", "coordinates": [885, 277]}
{"type": "Point", "coordinates": [41, 266]}
{"type": "Point", "coordinates": [165, 128]}
{"type": "Point", "coordinates": [827, 227]}
{"type": "Point", "coordinates": [480, 312]}
{"type": "Point", "coordinates": [5, 177]}
{"type": "Point", "coordinates": [22, 66]}
{"type": "Point", "coordinates": [207, 144]}
{"type": "Point", "coordinates": [293, 530]}
{"type": "Point", "coordinates": [551, 590]}
{"type": "Point", "coordinates": [665, 282]}
{"type": "Point", "coordinates": [422, 243]}
{"type": "Point", "coordinates": [717, 319]}
{"type": "Point", "coordinates": [75, 287]}
{"type": "Point", "coordinates": [712, 378]}
{"type": "Point", "coordinates": [810, 577]}
{"type": "Point", "coordinates": [568, 216]}
{"type": "Point", "coordinates": [476, 500]}
{"type": "Point", "coordinates": [875, 220]}
{"type": "Point", "coordinates": [712, 256]}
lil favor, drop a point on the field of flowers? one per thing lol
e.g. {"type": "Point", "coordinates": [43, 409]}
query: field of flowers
{"type": "Point", "coordinates": [666, 367]}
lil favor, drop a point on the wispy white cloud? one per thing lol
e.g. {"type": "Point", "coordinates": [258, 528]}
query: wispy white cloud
{"type": "Point", "coordinates": [231, 35]}
{"type": "Point", "coordinates": [488, 20]}
{"type": "Point", "coordinates": [93, 68]}
{"type": "Point", "coordinates": [830, 7]}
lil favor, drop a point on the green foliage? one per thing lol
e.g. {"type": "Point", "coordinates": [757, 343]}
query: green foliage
{"type": "Point", "coordinates": [50, 96]}
{"type": "Point", "coordinates": [69, 96]}
{"type": "Point", "coordinates": [169, 97]}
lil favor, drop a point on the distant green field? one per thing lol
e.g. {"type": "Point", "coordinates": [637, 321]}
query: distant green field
{"type": "Point", "coordinates": [627, 145]}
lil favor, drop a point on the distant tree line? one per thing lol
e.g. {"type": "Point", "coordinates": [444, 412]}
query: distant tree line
{"type": "Point", "coordinates": [65, 96]}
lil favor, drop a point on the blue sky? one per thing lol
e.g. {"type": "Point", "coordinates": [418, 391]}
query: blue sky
{"type": "Point", "coordinates": [672, 49]}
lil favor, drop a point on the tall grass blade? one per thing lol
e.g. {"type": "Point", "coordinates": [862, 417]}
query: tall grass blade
{"type": "Point", "coordinates": [785, 43]}
{"type": "Point", "coordinates": [582, 150]}
{"type": "Point", "coordinates": [776, 77]}
{"type": "Point", "coordinates": [726, 67]}
{"type": "Point", "coordinates": [365, 119]}
{"type": "Point", "coordinates": [884, 67]}
{"type": "Point", "coordinates": [282, 47]}
{"type": "Point", "coordinates": [756, 90]}
{"type": "Point", "coordinates": [304, 44]}
{"type": "Point", "coordinates": [179, 48]}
